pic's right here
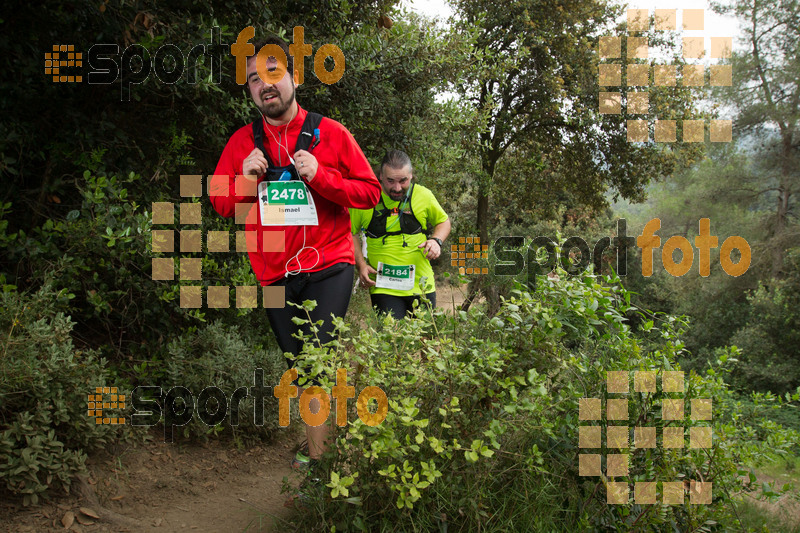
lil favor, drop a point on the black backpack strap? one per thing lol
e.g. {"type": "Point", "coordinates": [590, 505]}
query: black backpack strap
{"type": "Point", "coordinates": [410, 225]}
{"type": "Point", "coordinates": [310, 124]}
{"type": "Point", "coordinates": [258, 138]}
{"type": "Point", "coordinates": [377, 224]}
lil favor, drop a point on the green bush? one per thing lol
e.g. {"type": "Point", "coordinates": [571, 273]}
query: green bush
{"type": "Point", "coordinates": [101, 253]}
{"type": "Point", "coordinates": [771, 334]}
{"type": "Point", "coordinates": [221, 356]}
{"type": "Point", "coordinates": [482, 427]}
{"type": "Point", "coordinates": [44, 385]}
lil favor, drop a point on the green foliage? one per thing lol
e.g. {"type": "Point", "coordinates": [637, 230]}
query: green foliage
{"type": "Point", "coordinates": [389, 85]}
{"type": "Point", "coordinates": [76, 204]}
{"type": "Point", "coordinates": [532, 79]}
{"type": "Point", "coordinates": [755, 311]}
{"type": "Point", "coordinates": [756, 518]}
{"type": "Point", "coordinates": [481, 431]}
{"type": "Point", "coordinates": [765, 94]}
{"type": "Point", "coordinates": [44, 384]}
{"type": "Point", "coordinates": [166, 129]}
{"type": "Point", "coordinates": [483, 413]}
{"type": "Point", "coordinates": [101, 253]}
{"type": "Point", "coordinates": [223, 356]}
{"type": "Point", "coordinates": [568, 223]}
{"type": "Point", "coordinates": [770, 37]}
{"type": "Point", "coordinates": [770, 337]}
{"type": "Point", "coordinates": [93, 228]}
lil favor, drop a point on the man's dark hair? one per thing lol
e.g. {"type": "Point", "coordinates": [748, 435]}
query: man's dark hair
{"type": "Point", "coordinates": [396, 159]}
{"type": "Point", "coordinates": [274, 39]}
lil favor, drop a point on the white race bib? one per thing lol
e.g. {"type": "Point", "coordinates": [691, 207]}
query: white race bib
{"type": "Point", "coordinates": [400, 278]}
{"type": "Point", "coordinates": [286, 203]}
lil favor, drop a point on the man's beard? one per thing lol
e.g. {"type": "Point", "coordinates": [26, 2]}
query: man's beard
{"type": "Point", "coordinates": [276, 107]}
{"type": "Point", "coordinates": [396, 197]}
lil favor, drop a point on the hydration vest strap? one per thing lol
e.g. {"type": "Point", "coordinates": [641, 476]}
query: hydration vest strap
{"type": "Point", "coordinates": [258, 139]}
{"type": "Point", "coordinates": [303, 140]}
{"type": "Point", "coordinates": [409, 224]}
{"type": "Point", "coordinates": [307, 132]}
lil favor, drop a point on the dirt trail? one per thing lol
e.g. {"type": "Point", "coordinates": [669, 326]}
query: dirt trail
{"type": "Point", "coordinates": [182, 487]}
{"type": "Point", "coordinates": [785, 509]}
{"type": "Point", "coordinates": [175, 487]}
{"type": "Point", "coordinates": [450, 297]}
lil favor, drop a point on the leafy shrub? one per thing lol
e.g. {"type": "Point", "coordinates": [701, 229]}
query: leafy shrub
{"type": "Point", "coordinates": [101, 253]}
{"type": "Point", "coordinates": [44, 383]}
{"type": "Point", "coordinates": [770, 337]}
{"type": "Point", "coordinates": [483, 417]}
{"type": "Point", "coordinates": [219, 356]}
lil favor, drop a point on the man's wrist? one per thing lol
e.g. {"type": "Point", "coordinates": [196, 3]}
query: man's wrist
{"type": "Point", "coordinates": [437, 240]}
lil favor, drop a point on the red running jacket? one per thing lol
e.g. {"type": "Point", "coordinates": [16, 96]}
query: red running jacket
{"type": "Point", "coordinates": [344, 179]}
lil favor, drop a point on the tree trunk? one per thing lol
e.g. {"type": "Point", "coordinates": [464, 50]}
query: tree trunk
{"type": "Point", "coordinates": [40, 207]}
{"type": "Point", "coordinates": [483, 215]}
{"type": "Point", "coordinates": [476, 285]}
{"type": "Point", "coordinates": [784, 194]}
{"type": "Point", "coordinates": [787, 131]}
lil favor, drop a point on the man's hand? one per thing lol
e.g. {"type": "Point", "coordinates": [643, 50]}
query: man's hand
{"type": "Point", "coordinates": [432, 249]}
{"type": "Point", "coordinates": [254, 165]}
{"type": "Point", "coordinates": [306, 164]}
{"type": "Point", "coordinates": [363, 274]}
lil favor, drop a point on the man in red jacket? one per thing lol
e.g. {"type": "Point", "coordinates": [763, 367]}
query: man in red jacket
{"type": "Point", "coordinates": [292, 175]}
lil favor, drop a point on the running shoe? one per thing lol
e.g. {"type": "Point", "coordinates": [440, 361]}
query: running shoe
{"type": "Point", "coordinates": [301, 459]}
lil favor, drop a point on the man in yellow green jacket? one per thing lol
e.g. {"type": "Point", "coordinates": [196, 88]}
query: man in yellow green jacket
{"type": "Point", "coordinates": [397, 269]}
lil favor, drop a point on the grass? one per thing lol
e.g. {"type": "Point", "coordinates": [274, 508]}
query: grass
{"type": "Point", "coordinates": [785, 469]}
{"type": "Point", "coordinates": [782, 516]}
{"type": "Point", "coordinates": [755, 516]}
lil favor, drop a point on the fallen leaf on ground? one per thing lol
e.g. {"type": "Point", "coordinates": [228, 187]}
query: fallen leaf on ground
{"type": "Point", "coordinates": [83, 520]}
{"type": "Point", "coordinates": [67, 519]}
{"type": "Point", "coordinates": [90, 512]}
